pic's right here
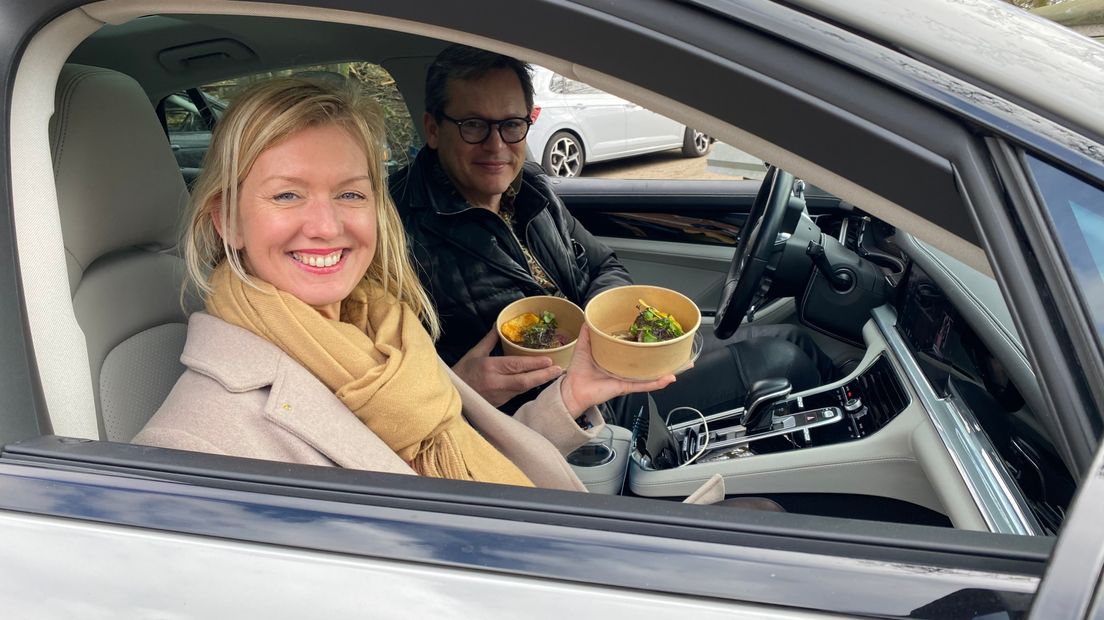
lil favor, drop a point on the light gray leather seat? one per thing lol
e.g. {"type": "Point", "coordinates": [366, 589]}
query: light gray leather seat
{"type": "Point", "coordinates": [121, 198]}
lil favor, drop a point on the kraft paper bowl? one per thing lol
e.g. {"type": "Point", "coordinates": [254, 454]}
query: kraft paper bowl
{"type": "Point", "coordinates": [569, 319]}
{"type": "Point", "coordinates": [614, 310]}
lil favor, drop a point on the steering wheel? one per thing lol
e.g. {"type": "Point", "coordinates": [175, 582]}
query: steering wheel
{"type": "Point", "coordinates": [753, 251]}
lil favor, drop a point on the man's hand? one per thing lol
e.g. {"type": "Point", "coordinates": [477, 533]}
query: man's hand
{"type": "Point", "coordinates": [498, 379]}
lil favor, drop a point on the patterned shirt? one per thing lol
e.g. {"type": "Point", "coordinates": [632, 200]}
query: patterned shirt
{"type": "Point", "coordinates": [506, 212]}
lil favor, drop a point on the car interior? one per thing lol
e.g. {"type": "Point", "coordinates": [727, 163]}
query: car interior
{"type": "Point", "coordinates": [935, 416]}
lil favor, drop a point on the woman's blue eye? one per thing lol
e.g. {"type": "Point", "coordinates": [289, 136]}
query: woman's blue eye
{"type": "Point", "coordinates": [351, 196]}
{"type": "Point", "coordinates": [285, 196]}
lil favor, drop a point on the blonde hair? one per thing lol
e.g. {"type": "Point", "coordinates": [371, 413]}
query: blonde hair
{"type": "Point", "coordinates": [262, 117]}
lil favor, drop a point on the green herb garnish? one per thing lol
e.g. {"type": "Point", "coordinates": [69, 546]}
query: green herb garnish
{"type": "Point", "coordinates": [652, 325]}
{"type": "Point", "coordinates": [542, 334]}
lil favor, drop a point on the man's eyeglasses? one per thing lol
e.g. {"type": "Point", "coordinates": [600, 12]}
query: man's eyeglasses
{"type": "Point", "coordinates": [476, 130]}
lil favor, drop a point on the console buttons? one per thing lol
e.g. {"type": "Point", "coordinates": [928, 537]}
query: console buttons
{"type": "Point", "coordinates": [852, 405]}
{"type": "Point", "coordinates": [827, 414]}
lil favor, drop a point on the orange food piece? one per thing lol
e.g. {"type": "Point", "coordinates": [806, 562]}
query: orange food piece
{"type": "Point", "coordinates": [514, 329]}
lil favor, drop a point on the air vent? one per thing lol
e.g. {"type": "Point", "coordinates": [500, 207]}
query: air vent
{"type": "Point", "coordinates": [853, 228]}
{"type": "Point", "coordinates": [882, 392]}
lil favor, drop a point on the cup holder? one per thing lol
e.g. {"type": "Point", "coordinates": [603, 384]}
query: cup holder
{"type": "Point", "coordinates": [591, 455]}
{"type": "Point", "coordinates": [603, 462]}
{"type": "Point", "coordinates": [598, 451]}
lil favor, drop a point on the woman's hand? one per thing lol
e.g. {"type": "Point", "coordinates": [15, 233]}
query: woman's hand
{"type": "Point", "coordinates": [586, 385]}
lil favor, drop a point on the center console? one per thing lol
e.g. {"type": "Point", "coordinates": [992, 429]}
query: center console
{"type": "Point", "coordinates": [851, 411]}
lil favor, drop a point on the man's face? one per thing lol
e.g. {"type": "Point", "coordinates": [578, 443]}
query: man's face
{"type": "Point", "coordinates": [481, 172]}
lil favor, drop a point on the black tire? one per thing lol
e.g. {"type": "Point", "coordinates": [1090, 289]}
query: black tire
{"type": "Point", "coordinates": [563, 155]}
{"type": "Point", "coordinates": [695, 143]}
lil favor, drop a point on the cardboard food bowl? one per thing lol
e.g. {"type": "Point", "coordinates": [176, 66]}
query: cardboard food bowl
{"type": "Point", "coordinates": [614, 310]}
{"type": "Point", "coordinates": [569, 319]}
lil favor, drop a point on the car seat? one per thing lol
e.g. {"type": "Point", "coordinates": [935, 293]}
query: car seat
{"type": "Point", "coordinates": [121, 198]}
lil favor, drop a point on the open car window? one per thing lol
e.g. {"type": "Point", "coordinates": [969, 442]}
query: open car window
{"type": "Point", "coordinates": [931, 457]}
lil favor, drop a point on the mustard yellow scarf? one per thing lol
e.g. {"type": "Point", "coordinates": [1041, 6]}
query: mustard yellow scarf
{"type": "Point", "coordinates": [380, 361]}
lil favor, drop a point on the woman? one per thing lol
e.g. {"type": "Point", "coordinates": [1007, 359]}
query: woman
{"type": "Point", "coordinates": [314, 346]}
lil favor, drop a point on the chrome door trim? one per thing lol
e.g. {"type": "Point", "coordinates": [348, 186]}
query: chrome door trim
{"type": "Point", "coordinates": [996, 495]}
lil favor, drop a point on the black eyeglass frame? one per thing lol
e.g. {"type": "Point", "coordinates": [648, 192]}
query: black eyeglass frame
{"type": "Point", "coordinates": [487, 123]}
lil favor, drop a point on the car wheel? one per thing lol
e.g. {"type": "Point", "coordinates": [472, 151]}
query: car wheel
{"type": "Point", "coordinates": [563, 155]}
{"type": "Point", "coordinates": [695, 143]}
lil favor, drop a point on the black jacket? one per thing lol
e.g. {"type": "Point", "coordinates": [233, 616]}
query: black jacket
{"type": "Point", "coordinates": [473, 267]}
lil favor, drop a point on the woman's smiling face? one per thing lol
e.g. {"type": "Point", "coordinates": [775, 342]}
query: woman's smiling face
{"type": "Point", "coordinates": [307, 217]}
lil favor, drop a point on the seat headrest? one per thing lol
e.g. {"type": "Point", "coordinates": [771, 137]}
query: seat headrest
{"type": "Point", "coordinates": [118, 184]}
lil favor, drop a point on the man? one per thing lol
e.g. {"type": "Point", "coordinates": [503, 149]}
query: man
{"type": "Point", "coordinates": [486, 228]}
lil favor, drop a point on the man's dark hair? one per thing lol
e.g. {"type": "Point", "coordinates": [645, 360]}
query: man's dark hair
{"type": "Point", "coordinates": [460, 62]}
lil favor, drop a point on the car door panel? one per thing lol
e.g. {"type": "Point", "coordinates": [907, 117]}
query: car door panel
{"type": "Point", "coordinates": [190, 147]}
{"type": "Point", "coordinates": [341, 586]}
{"type": "Point", "coordinates": [600, 117]}
{"type": "Point", "coordinates": [696, 271]}
{"type": "Point", "coordinates": [672, 233]}
{"type": "Point", "coordinates": [254, 515]}
{"type": "Point", "coordinates": [603, 126]}
{"type": "Point", "coordinates": [675, 234]}
{"type": "Point", "coordinates": [647, 130]}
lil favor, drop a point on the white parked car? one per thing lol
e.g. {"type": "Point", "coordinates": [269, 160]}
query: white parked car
{"type": "Point", "coordinates": [576, 124]}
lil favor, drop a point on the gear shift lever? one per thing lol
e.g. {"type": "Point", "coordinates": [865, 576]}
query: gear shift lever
{"type": "Point", "coordinates": [761, 398]}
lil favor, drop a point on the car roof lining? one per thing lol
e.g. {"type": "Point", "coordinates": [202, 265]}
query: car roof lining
{"type": "Point", "coordinates": [264, 37]}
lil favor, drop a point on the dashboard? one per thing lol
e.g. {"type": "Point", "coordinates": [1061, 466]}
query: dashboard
{"type": "Point", "coordinates": [945, 345]}
{"type": "Point", "coordinates": [959, 367]}
{"type": "Point", "coordinates": [950, 356]}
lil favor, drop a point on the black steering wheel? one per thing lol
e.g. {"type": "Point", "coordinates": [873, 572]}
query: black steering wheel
{"type": "Point", "coordinates": [753, 251]}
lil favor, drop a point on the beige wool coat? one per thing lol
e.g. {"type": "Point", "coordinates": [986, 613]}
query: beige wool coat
{"type": "Point", "coordinates": [242, 396]}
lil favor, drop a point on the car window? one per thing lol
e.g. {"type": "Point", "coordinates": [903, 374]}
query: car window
{"type": "Point", "coordinates": [581, 130]}
{"type": "Point", "coordinates": [190, 132]}
{"type": "Point", "coordinates": [1077, 211]}
{"type": "Point", "coordinates": [181, 115]}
